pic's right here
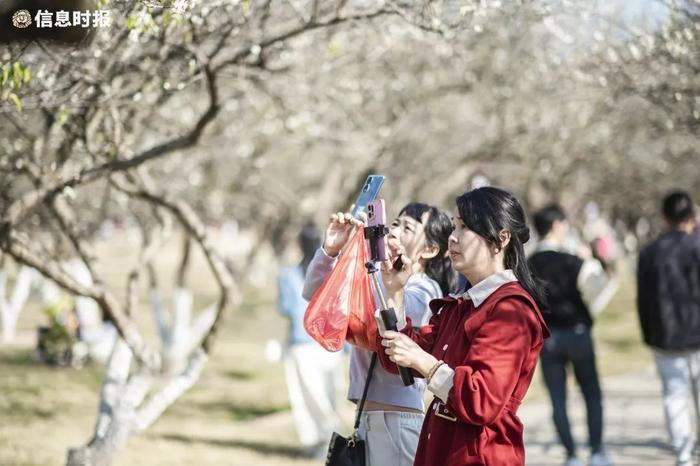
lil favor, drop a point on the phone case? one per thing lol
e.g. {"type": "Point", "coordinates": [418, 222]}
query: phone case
{"type": "Point", "coordinates": [376, 215]}
{"type": "Point", "coordinates": [369, 192]}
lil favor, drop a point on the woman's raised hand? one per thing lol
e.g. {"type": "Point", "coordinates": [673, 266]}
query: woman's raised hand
{"type": "Point", "coordinates": [340, 228]}
{"type": "Point", "coordinates": [395, 280]}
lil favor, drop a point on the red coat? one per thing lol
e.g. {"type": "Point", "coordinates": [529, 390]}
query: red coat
{"type": "Point", "coordinates": [493, 351]}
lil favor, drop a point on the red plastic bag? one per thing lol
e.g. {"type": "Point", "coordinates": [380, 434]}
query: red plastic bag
{"type": "Point", "coordinates": [343, 307]}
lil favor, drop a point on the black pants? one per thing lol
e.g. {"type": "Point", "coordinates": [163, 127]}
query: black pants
{"type": "Point", "coordinates": [573, 347]}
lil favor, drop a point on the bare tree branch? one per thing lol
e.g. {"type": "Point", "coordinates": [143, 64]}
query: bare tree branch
{"type": "Point", "coordinates": [22, 207]}
{"type": "Point", "coordinates": [189, 219]}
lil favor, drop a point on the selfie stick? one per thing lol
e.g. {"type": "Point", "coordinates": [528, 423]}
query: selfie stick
{"type": "Point", "coordinates": [373, 234]}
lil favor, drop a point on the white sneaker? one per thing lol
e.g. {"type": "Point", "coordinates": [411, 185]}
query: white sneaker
{"type": "Point", "coordinates": [599, 459]}
{"type": "Point", "coordinates": [573, 461]}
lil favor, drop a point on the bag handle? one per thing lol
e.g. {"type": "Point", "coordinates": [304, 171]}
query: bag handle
{"type": "Point", "coordinates": [361, 405]}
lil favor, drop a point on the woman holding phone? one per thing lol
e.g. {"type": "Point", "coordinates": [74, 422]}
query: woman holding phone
{"type": "Point", "coordinates": [479, 351]}
{"type": "Point", "coordinates": [393, 413]}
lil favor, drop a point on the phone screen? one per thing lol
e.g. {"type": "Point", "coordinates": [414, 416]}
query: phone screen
{"type": "Point", "coordinates": [369, 192]}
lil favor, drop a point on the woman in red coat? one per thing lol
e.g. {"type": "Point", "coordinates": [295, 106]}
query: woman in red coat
{"type": "Point", "coordinates": [479, 351]}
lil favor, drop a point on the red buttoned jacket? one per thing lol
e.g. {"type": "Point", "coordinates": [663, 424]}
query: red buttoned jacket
{"type": "Point", "coordinates": [493, 351]}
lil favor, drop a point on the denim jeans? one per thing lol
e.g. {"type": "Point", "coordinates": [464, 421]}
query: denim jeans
{"type": "Point", "coordinates": [573, 346]}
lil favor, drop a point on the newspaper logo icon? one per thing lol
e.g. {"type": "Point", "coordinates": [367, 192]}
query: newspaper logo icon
{"type": "Point", "coordinates": [21, 19]}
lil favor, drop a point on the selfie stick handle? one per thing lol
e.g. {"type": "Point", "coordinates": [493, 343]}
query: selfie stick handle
{"type": "Point", "coordinates": [389, 318]}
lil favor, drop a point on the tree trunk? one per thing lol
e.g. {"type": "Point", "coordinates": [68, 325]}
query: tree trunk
{"type": "Point", "coordinates": [124, 413]}
{"type": "Point", "coordinates": [120, 397]}
{"type": "Point", "coordinates": [183, 333]}
{"type": "Point", "coordinates": [10, 310]}
{"type": "Point", "coordinates": [103, 451]}
{"type": "Point", "coordinates": [175, 356]}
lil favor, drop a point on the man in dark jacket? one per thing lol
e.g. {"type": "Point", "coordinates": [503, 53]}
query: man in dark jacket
{"type": "Point", "coordinates": [668, 301]}
{"type": "Point", "coordinates": [577, 288]}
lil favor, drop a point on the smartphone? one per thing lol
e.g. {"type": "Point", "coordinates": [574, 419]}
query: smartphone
{"type": "Point", "coordinates": [398, 264]}
{"type": "Point", "coordinates": [375, 216]}
{"type": "Point", "coordinates": [369, 192]}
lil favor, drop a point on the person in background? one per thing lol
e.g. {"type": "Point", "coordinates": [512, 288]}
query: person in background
{"type": "Point", "coordinates": [393, 413]}
{"type": "Point", "coordinates": [312, 374]}
{"type": "Point", "coordinates": [577, 288]}
{"type": "Point", "coordinates": [668, 303]}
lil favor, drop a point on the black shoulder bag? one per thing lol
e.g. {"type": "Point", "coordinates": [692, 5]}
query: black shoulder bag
{"type": "Point", "coordinates": [351, 451]}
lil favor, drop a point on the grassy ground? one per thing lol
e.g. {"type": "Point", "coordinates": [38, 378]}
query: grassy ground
{"type": "Point", "coordinates": [617, 332]}
{"type": "Point", "coordinates": [236, 415]}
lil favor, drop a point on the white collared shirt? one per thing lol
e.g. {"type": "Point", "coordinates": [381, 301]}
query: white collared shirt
{"type": "Point", "coordinates": [485, 288]}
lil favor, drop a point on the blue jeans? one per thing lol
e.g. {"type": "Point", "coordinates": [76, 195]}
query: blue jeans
{"type": "Point", "coordinates": [573, 346]}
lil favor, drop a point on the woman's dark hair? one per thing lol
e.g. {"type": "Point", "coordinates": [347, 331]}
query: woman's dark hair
{"type": "Point", "coordinates": [678, 207]}
{"type": "Point", "coordinates": [487, 211]}
{"type": "Point", "coordinates": [437, 228]}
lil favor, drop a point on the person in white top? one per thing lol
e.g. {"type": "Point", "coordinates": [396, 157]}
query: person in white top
{"type": "Point", "coordinates": [312, 374]}
{"type": "Point", "coordinates": [578, 288]}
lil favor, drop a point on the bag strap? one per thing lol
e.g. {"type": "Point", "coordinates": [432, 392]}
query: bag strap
{"type": "Point", "coordinates": [361, 405]}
